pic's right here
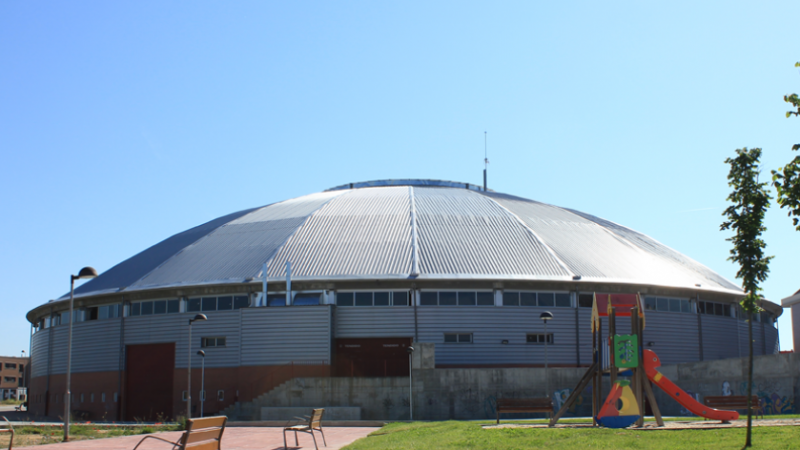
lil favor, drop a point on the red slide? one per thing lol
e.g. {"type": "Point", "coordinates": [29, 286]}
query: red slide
{"type": "Point", "coordinates": [652, 363]}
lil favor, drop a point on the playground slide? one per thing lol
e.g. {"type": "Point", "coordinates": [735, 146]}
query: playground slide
{"type": "Point", "coordinates": [652, 363]}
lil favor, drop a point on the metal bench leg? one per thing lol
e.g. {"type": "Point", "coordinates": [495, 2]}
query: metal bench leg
{"type": "Point", "coordinates": [314, 438]}
{"type": "Point", "coordinates": [323, 436]}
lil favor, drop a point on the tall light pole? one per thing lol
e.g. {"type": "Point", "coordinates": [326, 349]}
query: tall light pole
{"type": "Point", "coordinates": [545, 316]}
{"type": "Point", "coordinates": [198, 317]}
{"type": "Point", "coordinates": [85, 273]}
{"type": "Point", "coordinates": [202, 380]}
{"type": "Point", "coordinates": [410, 351]}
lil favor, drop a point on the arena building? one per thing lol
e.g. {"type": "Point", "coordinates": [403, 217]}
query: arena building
{"type": "Point", "coordinates": [356, 274]}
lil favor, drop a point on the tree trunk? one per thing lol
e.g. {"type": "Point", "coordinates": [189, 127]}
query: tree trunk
{"type": "Point", "coordinates": [748, 442]}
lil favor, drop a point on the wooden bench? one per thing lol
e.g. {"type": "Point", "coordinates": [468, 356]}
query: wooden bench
{"type": "Point", "coordinates": [733, 402]}
{"type": "Point", "coordinates": [523, 405]}
{"type": "Point", "coordinates": [200, 434]}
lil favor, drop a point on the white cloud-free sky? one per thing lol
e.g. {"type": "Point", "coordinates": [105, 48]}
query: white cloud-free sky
{"type": "Point", "coordinates": [122, 123]}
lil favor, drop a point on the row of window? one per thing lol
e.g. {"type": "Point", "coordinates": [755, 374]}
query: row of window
{"type": "Point", "coordinates": [667, 304]}
{"type": "Point", "coordinates": [547, 299]}
{"type": "Point", "coordinates": [210, 342]}
{"type": "Point", "coordinates": [225, 303]}
{"type": "Point", "coordinates": [57, 398]}
{"type": "Point", "coordinates": [12, 366]}
{"type": "Point", "coordinates": [530, 338]}
{"type": "Point", "coordinates": [461, 298]}
{"type": "Point", "coordinates": [202, 395]}
{"type": "Point", "coordinates": [388, 298]}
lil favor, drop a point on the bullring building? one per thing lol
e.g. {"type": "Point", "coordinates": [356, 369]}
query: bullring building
{"type": "Point", "coordinates": [356, 274]}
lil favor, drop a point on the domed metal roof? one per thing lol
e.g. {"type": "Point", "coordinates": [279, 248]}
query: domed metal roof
{"type": "Point", "coordinates": [398, 229]}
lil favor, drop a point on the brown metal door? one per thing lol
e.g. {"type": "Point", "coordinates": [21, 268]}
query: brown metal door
{"type": "Point", "coordinates": [372, 357]}
{"type": "Point", "coordinates": [150, 370]}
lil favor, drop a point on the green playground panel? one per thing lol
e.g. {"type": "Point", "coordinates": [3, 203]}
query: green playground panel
{"type": "Point", "coordinates": [626, 350]}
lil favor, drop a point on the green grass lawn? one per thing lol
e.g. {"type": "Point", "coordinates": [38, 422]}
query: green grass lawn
{"type": "Point", "coordinates": [470, 435]}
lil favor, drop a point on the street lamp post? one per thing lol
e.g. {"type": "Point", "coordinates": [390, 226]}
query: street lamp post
{"type": "Point", "coordinates": [198, 317]}
{"type": "Point", "coordinates": [410, 350]}
{"type": "Point", "coordinates": [85, 273]}
{"type": "Point", "coordinates": [202, 380]}
{"type": "Point", "coordinates": [545, 316]}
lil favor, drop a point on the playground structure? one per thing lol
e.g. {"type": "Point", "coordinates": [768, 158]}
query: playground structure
{"type": "Point", "coordinates": [625, 357]}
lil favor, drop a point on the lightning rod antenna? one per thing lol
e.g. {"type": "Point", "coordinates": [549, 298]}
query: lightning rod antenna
{"type": "Point", "coordinates": [485, 159]}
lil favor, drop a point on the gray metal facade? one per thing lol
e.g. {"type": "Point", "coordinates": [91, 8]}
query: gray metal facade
{"type": "Point", "coordinates": [273, 336]}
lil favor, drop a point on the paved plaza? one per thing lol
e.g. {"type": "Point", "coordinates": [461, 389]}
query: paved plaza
{"type": "Point", "coordinates": [233, 439]}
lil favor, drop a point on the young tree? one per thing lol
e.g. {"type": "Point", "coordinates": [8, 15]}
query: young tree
{"type": "Point", "coordinates": [745, 216]}
{"type": "Point", "coordinates": [787, 178]}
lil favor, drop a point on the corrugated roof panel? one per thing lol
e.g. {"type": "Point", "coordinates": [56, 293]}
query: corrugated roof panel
{"type": "Point", "coordinates": [463, 232]}
{"type": "Point", "coordinates": [654, 247]}
{"type": "Point", "coordinates": [132, 269]}
{"type": "Point", "coordinates": [238, 249]}
{"type": "Point", "coordinates": [602, 250]}
{"type": "Point", "coordinates": [363, 232]}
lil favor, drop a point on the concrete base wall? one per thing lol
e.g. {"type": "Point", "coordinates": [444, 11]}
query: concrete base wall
{"type": "Point", "coordinates": [331, 413]}
{"type": "Point", "coordinates": [469, 394]}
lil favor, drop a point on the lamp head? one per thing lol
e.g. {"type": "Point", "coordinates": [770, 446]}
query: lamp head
{"type": "Point", "coordinates": [410, 349]}
{"type": "Point", "coordinates": [201, 353]}
{"type": "Point", "coordinates": [85, 273]}
{"type": "Point", "coordinates": [199, 317]}
{"type": "Point", "coordinates": [545, 316]}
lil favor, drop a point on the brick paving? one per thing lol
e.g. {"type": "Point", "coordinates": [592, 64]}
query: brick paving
{"type": "Point", "coordinates": [244, 438]}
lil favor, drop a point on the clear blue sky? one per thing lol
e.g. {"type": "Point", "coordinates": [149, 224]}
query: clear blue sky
{"type": "Point", "coordinates": [122, 123]}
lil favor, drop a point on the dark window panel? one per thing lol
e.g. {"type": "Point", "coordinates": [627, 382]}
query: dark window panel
{"type": "Point", "coordinates": [363, 298]}
{"type": "Point", "coordinates": [276, 300]}
{"type": "Point", "coordinates": [686, 307]}
{"type": "Point", "coordinates": [527, 299]}
{"type": "Point", "coordinates": [136, 309]}
{"type": "Point", "coordinates": [510, 298]}
{"type": "Point", "coordinates": [400, 298]}
{"type": "Point", "coordinates": [306, 299]}
{"type": "Point", "coordinates": [241, 301]}
{"type": "Point", "coordinates": [563, 301]}
{"type": "Point", "coordinates": [674, 305]}
{"type": "Point", "coordinates": [160, 307]}
{"type": "Point", "coordinates": [194, 304]}
{"type": "Point", "coordinates": [344, 298]}
{"type": "Point", "coordinates": [466, 298]}
{"type": "Point", "coordinates": [147, 308]}
{"type": "Point", "coordinates": [718, 310]}
{"type": "Point", "coordinates": [428, 299]}
{"type": "Point", "coordinates": [173, 306]}
{"type": "Point", "coordinates": [650, 303]}
{"type": "Point", "coordinates": [451, 338]}
{"type": "Point", "coordinates": [447, 299]}
{"type": "Point", "coordinates": [220, 342]}
{"type": "Point", "coordinates": [382, 299]}
{"type": "Point", "coordinates": [662, 304]}
{"type": "Point", "coordinates": [209, 303]}
{"type": "Point", "coordinates": [585, 300]}
{"type": "Point", "coordinates": [464, 338]}
{"type": "Point", "coordinates": [547, 299]}
{"type": "Point", "coordinates": [485, 298]}
{"type": "Point", "coordinates": [224, 303]}
{"type": "Point", "coordinates": [701, 307]}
